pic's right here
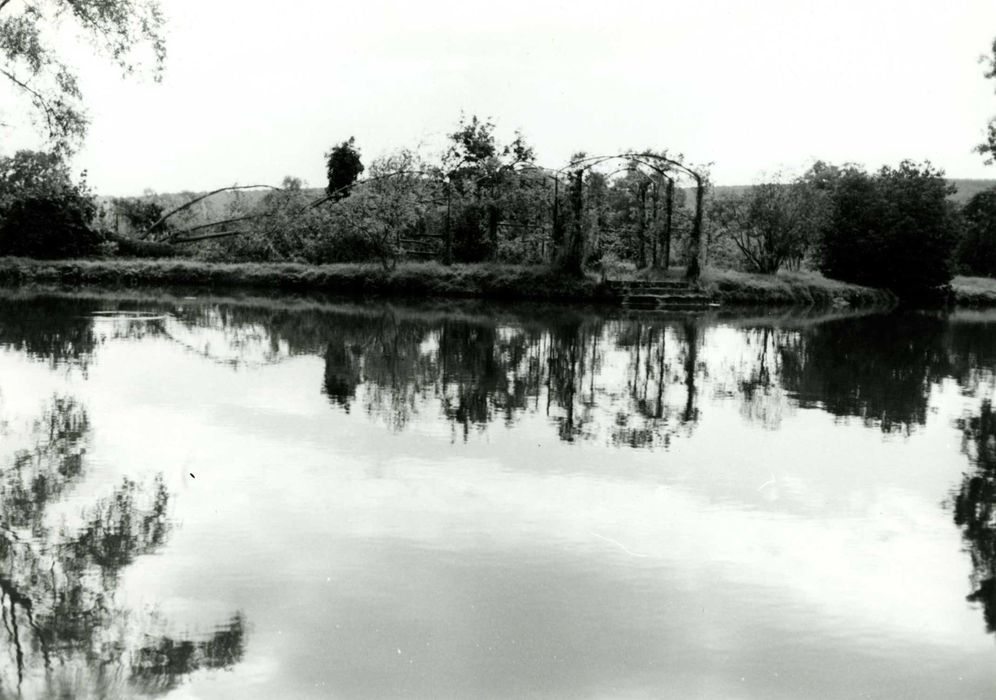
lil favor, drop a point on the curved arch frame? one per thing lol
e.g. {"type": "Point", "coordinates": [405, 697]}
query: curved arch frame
{"type": "Point", "coordinates": [654, 161]}
{"type": "Point", "coordinates": [664, 166]}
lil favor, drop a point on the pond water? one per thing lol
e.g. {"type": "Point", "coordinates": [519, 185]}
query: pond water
{"type": "Point", "coordinates": [291, 498]}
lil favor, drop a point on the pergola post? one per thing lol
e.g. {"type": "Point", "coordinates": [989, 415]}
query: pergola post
{"type": "Point", "coordinates": [694, 263]}
{"type": "Point", "coordinates": [448, 235]}
{"type": "Point", "coordinates": [668, 219]}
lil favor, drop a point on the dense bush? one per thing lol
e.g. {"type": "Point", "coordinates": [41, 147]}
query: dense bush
{"type": "Point", "coordinates": [138, 214]}
{"type": "Point", "coordinates": [976, 253]}
{"type": "Point", "coordinates": [43, 214]}
{"type": "Point", "coordinates": [49, 227]}
{"type": "Point", "coordinates": [894, 229]}
{"type": "Point", "coordinates": [344, 166]}
{"type": "Point", "coordinates": [771, 224]}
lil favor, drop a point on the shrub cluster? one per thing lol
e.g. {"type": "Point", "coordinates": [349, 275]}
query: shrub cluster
{"type": "Point", "coordinates": [43, 214]}
{"type": "Point", "coordinates": [895, 229]}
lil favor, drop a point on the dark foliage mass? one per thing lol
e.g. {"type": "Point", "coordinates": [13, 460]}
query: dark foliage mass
{"type": "Point", "coordinates": [54, 227]}
{"type": "Point", "coordinates": [976, 253]}
{"type": "Point", "coordinates": [975, 508]}
{"type": "Point", "coordinates": [43, 213]}
{"type": "Point", "coordinates": [343, 166]}
{"type": "Point", "coordinates": [894, 229]}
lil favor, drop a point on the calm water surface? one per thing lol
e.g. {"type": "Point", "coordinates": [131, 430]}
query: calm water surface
{"type": "Point", "coordinates": [289, 499]}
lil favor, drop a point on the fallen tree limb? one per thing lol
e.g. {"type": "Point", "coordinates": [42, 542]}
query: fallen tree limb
{"type": "Point", "coordinates": [207, 236]}
{"type": "Point", "coordinates": [197, 199]}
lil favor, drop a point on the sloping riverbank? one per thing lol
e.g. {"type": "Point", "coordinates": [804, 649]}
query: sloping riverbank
{"type": "Point", "coordinates": [417, 280]}
{"type": "Point", "coordinates": [974, 291]}
{"type": "Point", "coordinates": [789, 288]}
{"type": "Point", "coordinates": [407, 280]}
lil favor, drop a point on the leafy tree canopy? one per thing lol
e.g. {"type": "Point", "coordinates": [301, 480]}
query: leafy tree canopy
{"type": "Point", "coordinates": [32, 174]}
{"type": "Point", "coordinates": [475, 150]}
{"type": "Point", "coordinates": [988, 148]}
{"type": "Point", "coordinates": [344, 166]}
{"type": "Point", "coordinates": [894, 229]}
{"type": "Point", "coordinates": [977, 248]}
{"type": "Point", "coordinates": [772, 224]}
{"type": "Point", "coordinates": [43, 214]}
{"type": "Point", "coordinates": [33, 67]}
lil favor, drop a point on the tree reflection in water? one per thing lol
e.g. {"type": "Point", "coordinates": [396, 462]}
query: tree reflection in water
{"type": "Point", "coordinates": [49, 328]}
{"type": "Point", "coordinates": [880, 371]}
{"type": "Point", "coordinates": [58, 576]}
{"type": "Point", "coordinates": [876, 368]}
{"type": "Point", "coordinates": [975, 508]}
{"type": "Point", "coordinates": [476, 372]}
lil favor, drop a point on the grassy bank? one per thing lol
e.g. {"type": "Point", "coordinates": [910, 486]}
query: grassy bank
{"type": "Point", "coordinates": [799, 288]}
{"type": "Point", "coordinates": [974, 291]}
{"type": "Point", "coordinates": [409, 279]}
{"type": "Point", "coordinates": [416, 280]}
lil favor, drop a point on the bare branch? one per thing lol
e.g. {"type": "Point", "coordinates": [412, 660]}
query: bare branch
{"type": "Point", "coordinates": [329, 197]}
{"type": "Point", "coordinates": [178, 234]}
{"type": "Point", "coordinates": [37, 97]}
{"type": "Point", "coordinates": [207, 236]}
{"type": "Point", "coordinates": [200, 198]}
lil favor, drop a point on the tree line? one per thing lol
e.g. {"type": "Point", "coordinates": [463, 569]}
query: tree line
{"type": "Point", "coordinates": [482, 200]}
{"type": "Point", "coordinates": [479, 201]}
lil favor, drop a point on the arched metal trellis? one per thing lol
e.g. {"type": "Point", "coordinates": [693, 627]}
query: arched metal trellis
{"type": "Point", "coordinates": [663, 165]}
{"type": "Point", "coordinates": [569, 245]}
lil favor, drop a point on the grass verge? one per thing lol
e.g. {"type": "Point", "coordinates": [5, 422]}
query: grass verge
{"type": "Point", "coordinates": [800, 288]}
{"type": "Point", "coordinates": [417, 280]}
{"type": "Point", "coordinates": [974, 291]}
{"type": "Point", "coordinates": [409, 279]}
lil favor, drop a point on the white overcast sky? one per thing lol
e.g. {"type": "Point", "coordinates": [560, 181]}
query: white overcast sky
{"type": "Point", "coordinates": [257, 90]}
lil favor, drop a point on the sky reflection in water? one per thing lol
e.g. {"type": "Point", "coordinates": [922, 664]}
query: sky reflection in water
{"type": "Point", "coordinates": [297, 499]}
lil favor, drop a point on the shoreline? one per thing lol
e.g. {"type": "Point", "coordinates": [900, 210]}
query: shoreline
{"type": "Point", "coordinates": [427, 280]}
{"type": "Point", "coordinates": [974, 292]}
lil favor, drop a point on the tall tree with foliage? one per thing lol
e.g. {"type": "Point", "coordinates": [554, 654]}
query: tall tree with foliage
{"type": "Point", "coordinates": [771, 224]}
{"type": "Point", "coordinates": [31, 64]}
{"type": "Point", "coordinates": [976, 253]}
{"type": "Point", "coordinates": [344, 167]}
{"type": "Point", "coordinates": [43, 213]}
{"type": "Point", "coordinates": [988, 148]}
{"type": "Point", "coordinates": [894, 229]}
{"type": "Point", "coordinates": [480, 172]}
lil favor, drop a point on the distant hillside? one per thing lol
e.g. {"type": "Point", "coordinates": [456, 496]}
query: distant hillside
{"type": "Point", "coordinates": [968, 188]}
{"type": "Point", "coordinates": [219, 205]}
{"type": "Point", "coordinates": [965, 189]}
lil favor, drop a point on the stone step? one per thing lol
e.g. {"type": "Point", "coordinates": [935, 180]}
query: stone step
{"type": "Point", "coordinates": [698, 303]}
{"type": "Point", "coordinates": [669, 307]}
{"type": "Point", "coordinates": [660, 295]}
{"type": "Point", "coordinates": [650, 284]}
{"type": "Point", "coordinates": [667, 301]}
{"type": "Point", "coordinates": [660, 290]}
{"type": "Point", "coordinates": [673, 296]}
